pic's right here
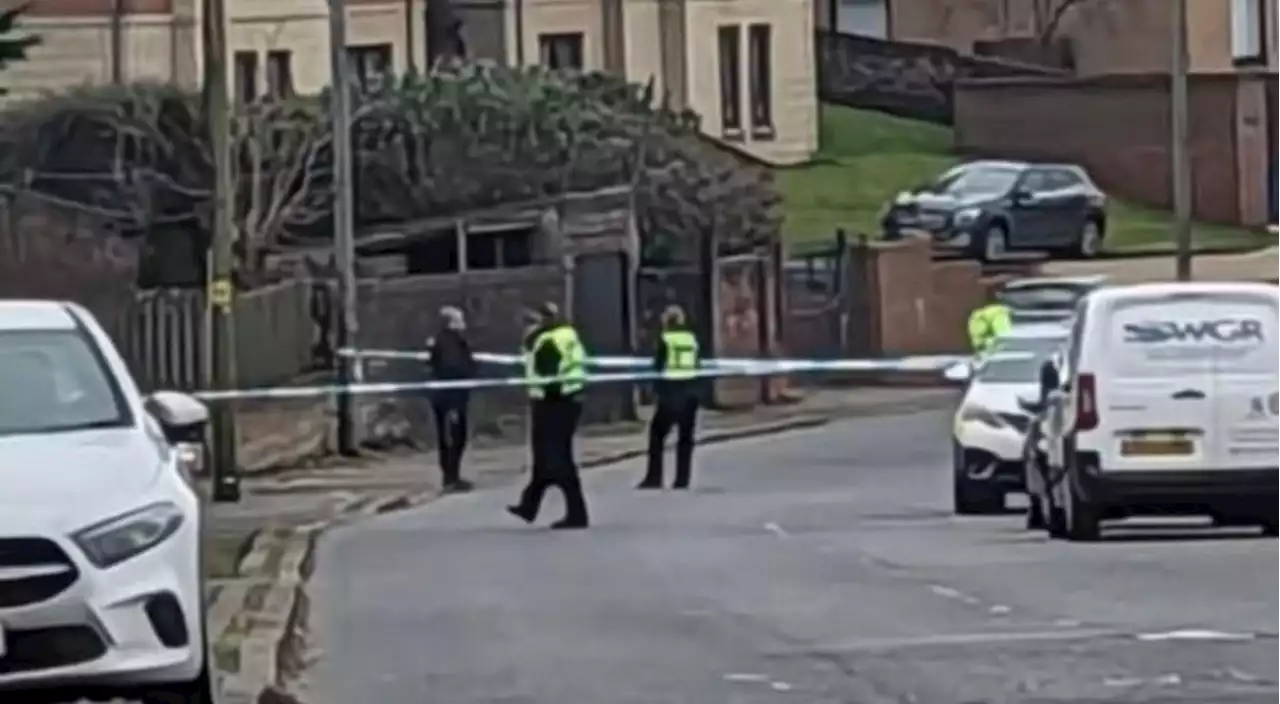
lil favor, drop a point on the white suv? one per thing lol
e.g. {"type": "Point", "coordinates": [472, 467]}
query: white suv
{"type": "Point", "coordinates": [100, 584]}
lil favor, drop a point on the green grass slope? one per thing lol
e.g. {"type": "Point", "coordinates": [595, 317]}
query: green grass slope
{"type": "Point", "coordinates": [866, 157]}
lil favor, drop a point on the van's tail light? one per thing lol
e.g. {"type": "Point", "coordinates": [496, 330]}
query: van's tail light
{"type": "Point", "coordinates": [1086, 402]}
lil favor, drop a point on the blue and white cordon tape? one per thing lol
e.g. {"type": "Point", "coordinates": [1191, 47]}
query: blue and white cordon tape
{"type": "Point", "coordinates": [638, 366]}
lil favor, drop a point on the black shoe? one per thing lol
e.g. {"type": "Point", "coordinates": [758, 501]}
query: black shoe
{"type": "Point", "coordinates": [680, 487]}
{"type": "Point", "coordinates": [521, 513]}
{"type": "Point", "coordinates": [458, 486]}
{"type": "Point", "coordinates": [647, 485]}
{"type": "Point", "coordinates": [566, 524]}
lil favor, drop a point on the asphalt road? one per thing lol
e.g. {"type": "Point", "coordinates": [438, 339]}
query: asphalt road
{"type": "Point", "coordinates": [819, 567]}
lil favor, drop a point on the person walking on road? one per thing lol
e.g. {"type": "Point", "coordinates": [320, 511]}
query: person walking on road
{"type": "Point", "coordinates": [988, 323]}
{"type": "Point", "coordinates": [677, 357]}
{"type": "Point", "coordinates": [451, 359]}
{"type": "Point", "coordinates": [556, 371]}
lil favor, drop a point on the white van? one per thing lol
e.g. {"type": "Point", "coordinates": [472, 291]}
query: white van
{"type": "Point", "coordinates": [1166, 403]}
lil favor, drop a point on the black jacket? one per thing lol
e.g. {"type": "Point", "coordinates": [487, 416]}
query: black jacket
{"type": "Point", "coordinates": [451, 358]}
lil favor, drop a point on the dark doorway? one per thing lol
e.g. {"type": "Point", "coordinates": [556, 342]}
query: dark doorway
{"type": "Point", "coordinates": [602, 312]}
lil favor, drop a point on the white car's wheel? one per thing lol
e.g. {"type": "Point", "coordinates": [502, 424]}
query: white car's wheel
{"type": "Point", "coordinates": [1082, 520]}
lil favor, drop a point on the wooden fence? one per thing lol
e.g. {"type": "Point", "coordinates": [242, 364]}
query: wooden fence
{"type": "Point", "coordinates": [163, 335]}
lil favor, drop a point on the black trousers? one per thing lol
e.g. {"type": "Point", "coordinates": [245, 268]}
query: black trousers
{"type": "Point", "coordinates": [451, 436]}
{"type": "Point", "coordinates": [554, 425]}
{"type": "Point", "coordinates": [681, 413]}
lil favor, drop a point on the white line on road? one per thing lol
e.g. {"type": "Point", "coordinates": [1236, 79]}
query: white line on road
{"type": "Point", "coordinates": [780, 686]}
{"type": "Point", "coordinates": [949, 639]}
{"type": "Point", "coordinates": [950, 593]}
{"type": "Point", "coordinates": [999, 609]}
{"type": "Point", "coordinates": [776, 530]}
{"type": "Point", "coordinates": [1194, 634]}
{"type": "Point", "coordinates": [746, 677]}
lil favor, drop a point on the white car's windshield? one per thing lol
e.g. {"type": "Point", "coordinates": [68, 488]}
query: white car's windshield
{"type": "Point", "coordinates": [1023, 365]}
{"type": "Point", "coordinates": [977, 181]}
{"type": "Point", "coordinates": [53, 381]}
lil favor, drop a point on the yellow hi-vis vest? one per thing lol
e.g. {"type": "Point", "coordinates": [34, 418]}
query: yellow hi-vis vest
{"type": "Point", "coordinates": [572, 373]}
{"type": "Point", "coordinates": [682, 354]}
{"type": "Point", "coordinates": [987, 324]}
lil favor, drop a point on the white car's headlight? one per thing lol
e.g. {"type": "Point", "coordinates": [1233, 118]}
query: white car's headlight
{"type": "Point", "coordinates": [967, 216]}
{"type": "Point", "coordinates": [113, 541]}
{"type": "Point", "coordinates": [978, 414]}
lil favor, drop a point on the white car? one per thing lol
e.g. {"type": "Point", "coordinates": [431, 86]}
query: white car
{"type": "Point", "coordinates": [990, 429]}
{"type": "Point", "coordinates": [100, 525]}
{"type": "Point", "coordinates": [1167, 402]}
{"type": "Point", "coordinates": [1046, 299]}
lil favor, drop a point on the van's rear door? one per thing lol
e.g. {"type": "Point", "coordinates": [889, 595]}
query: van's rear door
{"type": "Point", "coordinates": [1161, 395]}
{"type": "Point", "coordinates": [1247, 398]}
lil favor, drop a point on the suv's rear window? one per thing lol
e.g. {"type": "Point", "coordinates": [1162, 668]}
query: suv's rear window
{"type": "Point", "coordinates": [1194, 333]}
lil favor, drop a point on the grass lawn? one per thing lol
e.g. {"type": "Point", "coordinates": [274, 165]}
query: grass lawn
{"type": "Point", "coordinates": [867, 157]}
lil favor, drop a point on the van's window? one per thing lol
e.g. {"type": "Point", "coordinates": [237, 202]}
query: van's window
{"type": "Point", "coordinates": [1193, 333]}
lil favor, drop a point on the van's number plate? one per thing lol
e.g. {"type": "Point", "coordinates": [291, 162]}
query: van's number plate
{"type": "Point", "coordinates": [1157, 447]}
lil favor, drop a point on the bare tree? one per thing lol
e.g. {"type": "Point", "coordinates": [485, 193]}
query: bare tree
{"type": "Point", "coordinates": [1048, 16]}
{"type": "Point", "coordinates": [282, 172]}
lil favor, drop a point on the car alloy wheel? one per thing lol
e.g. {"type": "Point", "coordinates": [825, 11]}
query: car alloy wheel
{"type": "Point", "coordinates": [1090, 242]}
{"type": "Point", "coordinates": [994, 244]}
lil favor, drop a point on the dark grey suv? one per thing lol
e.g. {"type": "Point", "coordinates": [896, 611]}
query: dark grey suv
{"type": "Point", "coordinates": [989, 208]}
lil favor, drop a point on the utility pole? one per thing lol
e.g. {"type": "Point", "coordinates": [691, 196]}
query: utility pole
{"type": "Point", "coordinates": [1180, 133]}
{"type": "Point", "coordinates": [349, 367]}
{"type": "Point", "coordinates": [221, 295]}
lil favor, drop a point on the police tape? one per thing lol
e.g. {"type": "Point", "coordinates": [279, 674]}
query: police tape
{"type": "Point", "coordinates": [917, 363]}
{"type": "Point", "coordinates": [712, 368]}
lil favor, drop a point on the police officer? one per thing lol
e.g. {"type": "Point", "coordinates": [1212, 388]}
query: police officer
{"type": "Point", "coordinates": [556, 353]}
{"type": "Point", "coordinates": [677, 357]}
{"type": "Point", "coordinates": [988, 323]}
{"type": "Point", "coordinates": [451, 359]}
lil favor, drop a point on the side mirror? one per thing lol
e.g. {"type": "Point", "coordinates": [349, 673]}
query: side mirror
{"type": "Point", "coordinates": [959, 372]}
{"type": "Point", "coordinates": [1049, 379]}
{"type": "Point", "coordinates": [183, 417]}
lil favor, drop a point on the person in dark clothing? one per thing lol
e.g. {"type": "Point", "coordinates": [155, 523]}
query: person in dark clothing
{"type": "Point", "coordinates": [676, 356]}
{"type": "Point", "coordinates": [451, 359]}
{"type": "Point", "coordinates": [555, 352]}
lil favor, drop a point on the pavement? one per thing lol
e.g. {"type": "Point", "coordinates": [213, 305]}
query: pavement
{"type": "Point", "coordinates": [822, 566]}
{"type": "Point", "coordinates": [1260, 265]}
{"type": "Point", "coordinates": [259, 603]}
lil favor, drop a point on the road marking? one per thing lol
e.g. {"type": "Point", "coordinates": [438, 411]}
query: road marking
{"type": "Point", "coordinates": [780, 686]}
{"type": "Point", "coordinates": [1066, 623]}
{"type": "Point", "coordinates": [999, 609]}
{"type": "Point", "coordinates": [745, 677]}
{"type": "Point", "coordinates": [776, 530]}
{"type": "Point", "coordinates": [950, 593]}
{"type": "Point", "coordinates": [1194, 634]}
{"type": "Point", "coordinates": [950, 639]}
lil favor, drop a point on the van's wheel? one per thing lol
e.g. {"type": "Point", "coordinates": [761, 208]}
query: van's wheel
{"type": "Point", "coordinates": [1083, 520]}
{"type": "Point", "coordinates": [974, 500]}
{"type": "Point", "coordinates": [1036, 519]}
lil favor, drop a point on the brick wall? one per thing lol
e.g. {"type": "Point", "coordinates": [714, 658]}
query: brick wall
{"type": "Point", "coordinates": [1118, 127]}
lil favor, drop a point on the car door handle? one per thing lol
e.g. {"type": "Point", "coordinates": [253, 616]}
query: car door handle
{"type": "Point", "coordinates": [1188, 394]}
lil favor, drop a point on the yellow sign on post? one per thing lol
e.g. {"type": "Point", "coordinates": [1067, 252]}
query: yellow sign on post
{"type": "Point", "coordinates": [220, 293]}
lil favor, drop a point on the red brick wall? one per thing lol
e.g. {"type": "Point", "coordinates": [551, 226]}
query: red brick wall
{"type": "Point", "coordinates": [1116, 126]}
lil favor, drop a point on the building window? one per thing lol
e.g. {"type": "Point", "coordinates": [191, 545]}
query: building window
{"type": "Point", "coordinates": [730, 47]}
{"type": "Point", "coordinates": [1248, 32]}
{"type": "Point", "coordinates": [760, 52]}
{"type": "Point", "coordinates": [246, 80]}
{"type": "Point", "coordinates": [561, 52]}
{"type": "Point", "coordinates": [280, 74]}
{"type": "Point", "coordinates": [370, 66]}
